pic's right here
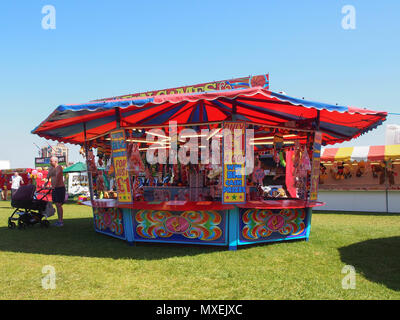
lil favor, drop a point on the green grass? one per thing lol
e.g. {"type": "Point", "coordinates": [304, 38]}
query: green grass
{"type": "Point", "coordinates": [90, 265]}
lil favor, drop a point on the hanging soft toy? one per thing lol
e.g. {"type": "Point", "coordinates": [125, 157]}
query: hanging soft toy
{"type": "Point", "coordinates": [378, 171]}
{"type": "Point", "coordinates": [305, 161]}
{"type": "Point", "coordinates": [148, 176]}
{"type": "Point", "coordinates": [347, 171]}
{"type": "Point", "coordinates": [301, 172]}
{"type": "Point", "coordinates": [135, 163]}
{"type": "Point", "coordinates": [100, 155]}
{"type": "Point", "coordinates": [322, 173]}
{"type": "Point", "coordinates": [340, 171]}
{"type": "Point", "coordinates": [282, 159]}
{"type": "Point", "coordinates": [82, 152]}
{"type": "Point", "coordinates": [138, 192]}
{"type": "Point", "coordinates": [296, 157]}
{"type": "Point", "coordinates": [100, 186]}
{"type": "Point", "coordinates": [91, 162]}
{"type": "Point", "coordinates": [185, 175]}
{"type": "Point", "coordinates": [167, 176]}
{"type": "Point", "coordinates": [111, 170]}
{"type": "Point", "coordinates": [360, 171]}
{"type": "Point", "coordinates": [258, 174]}
{"type": "Point", "coordinates": [390, 171]}
{"type": "Point", "coordinates": [215, 171]}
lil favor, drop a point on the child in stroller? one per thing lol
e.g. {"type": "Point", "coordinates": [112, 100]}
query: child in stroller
{"type": "Point", "coordinates": [29, 209]}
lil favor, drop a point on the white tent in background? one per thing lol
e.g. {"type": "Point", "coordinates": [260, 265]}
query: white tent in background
{"type": "Point", "coordinates": [392, 134]}
{"type": "Point", "coordinates": [5, 164]}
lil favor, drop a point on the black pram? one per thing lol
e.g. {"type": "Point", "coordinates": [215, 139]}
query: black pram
{"type": "Point", "coordinates": [29, 209]}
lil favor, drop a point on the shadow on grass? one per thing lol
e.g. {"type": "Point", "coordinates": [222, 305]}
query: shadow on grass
{"type": "Point", "coordinates": [382, 214]}
{"type": "Point", "coordinates": [78, 238]}
{"type": "Point", "coordinates": [377, 259]}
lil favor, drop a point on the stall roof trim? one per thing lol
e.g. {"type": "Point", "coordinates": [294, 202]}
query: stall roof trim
{"type": "Point", "coordinates": [362, 153]}
{"type": "Point", "coordinates": [253, 105]}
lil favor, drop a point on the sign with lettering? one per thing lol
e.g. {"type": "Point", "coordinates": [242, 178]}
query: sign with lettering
{"type": "Point", "coordinates": [234, 178]}
{"type": "Point", "coordinates": [238, 83]}
{"type": "Point", "coordinates": [45, 161]}
{"type": "Point", "coordinates": [315, 165]}
{"type": "Point", "coordinates": [120, 160]}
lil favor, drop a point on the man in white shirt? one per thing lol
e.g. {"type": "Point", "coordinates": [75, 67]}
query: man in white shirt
{"type": "Point", "coordinates": [16, 182]}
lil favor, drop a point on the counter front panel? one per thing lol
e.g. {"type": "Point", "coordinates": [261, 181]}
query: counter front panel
{"type": "Point", "coordinates": [191, 226]}
{"type": "Point", "coordinates": [264, 225]}
{"type": "Point", "coordinates": [109, 221]}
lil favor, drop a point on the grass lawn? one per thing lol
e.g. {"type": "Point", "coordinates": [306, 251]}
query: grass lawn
{"type": "Point", "coordinates": [90, 265]}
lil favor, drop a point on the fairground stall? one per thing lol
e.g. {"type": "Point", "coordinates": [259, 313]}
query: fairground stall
{"type": "Point", "coordinates": [224, 168]}
{"type": "Point", "coordinates": [361, 178]}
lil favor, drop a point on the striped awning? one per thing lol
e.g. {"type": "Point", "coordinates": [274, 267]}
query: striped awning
{"type": "Point", "coordinates": [368, 153]}
{"type": "Point", "coordinates": [69, 123]}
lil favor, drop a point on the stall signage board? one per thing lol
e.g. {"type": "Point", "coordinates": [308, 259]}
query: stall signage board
{"type": "Point", "coordinates": [237, 83]}
{"type": "Point", "coordinates": [234, 178]}
{"type": "Point", "coordinates": [315, 171]}
{"type": "Point", "coordinates": [120, 160]}
{"type": "Point", "coordinates": [45, 161]}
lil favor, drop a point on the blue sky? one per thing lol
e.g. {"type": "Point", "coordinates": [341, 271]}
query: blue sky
{"type": "Point", "coordinates": [107, 48]}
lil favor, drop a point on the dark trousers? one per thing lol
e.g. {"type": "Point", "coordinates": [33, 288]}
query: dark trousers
{"type": "Point", "coordinates": [12, 192]}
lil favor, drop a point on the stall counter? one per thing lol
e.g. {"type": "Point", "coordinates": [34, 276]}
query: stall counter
{"type": "Point", "coordinates": [205, 222]}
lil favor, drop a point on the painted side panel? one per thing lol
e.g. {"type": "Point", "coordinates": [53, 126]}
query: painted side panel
{"type": "Point", "coordinates": [109, 221]}
{"type": "Point", "coordinates": [196, 227]}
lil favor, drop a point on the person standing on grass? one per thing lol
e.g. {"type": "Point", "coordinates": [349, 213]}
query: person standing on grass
{"type": "Point", "coordinates": [5, 190]}
{"type": "Point", "coordinates": [16, 182]}
{"type": "Point", "coordinates": [3, 186]}
{"type": "Point", "coordinates": [58, 194]}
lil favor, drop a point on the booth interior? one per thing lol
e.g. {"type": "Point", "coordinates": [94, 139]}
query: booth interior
{"type": "Point", "coordinates": [197, 173]}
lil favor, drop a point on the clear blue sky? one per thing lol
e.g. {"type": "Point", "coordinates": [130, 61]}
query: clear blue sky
{"type": "Point", "coordinates": [107, 48]}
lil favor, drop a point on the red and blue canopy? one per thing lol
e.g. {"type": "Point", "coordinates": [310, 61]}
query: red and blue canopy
{"type": "Point", "coordinates": [253, 105]}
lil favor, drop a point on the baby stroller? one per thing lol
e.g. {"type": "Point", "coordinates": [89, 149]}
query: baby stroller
{"type": "Point", "coordinates": [29, 209]}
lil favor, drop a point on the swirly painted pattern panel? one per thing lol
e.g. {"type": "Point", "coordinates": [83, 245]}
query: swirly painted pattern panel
{"type": "Point", "coordinates": [109, 220]}
{"type": "Point", "coordinates": [195, 226]}
{"type": "Point", "coordinates": [263, 224]}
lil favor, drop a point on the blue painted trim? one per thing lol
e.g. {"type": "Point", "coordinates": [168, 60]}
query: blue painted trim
{"type": "Point", "coordinates": [183, 242]}
{"type": "Point", "coordinates": [128, 225]}
{"type": "Point", "coordinates": [110, 234]}
{"type": "Point", "coordinates": [233, 228]}
{"type": "Point", "coordinates": [309, 215]}
{"type": "Point", "coordinates": [241, 243]}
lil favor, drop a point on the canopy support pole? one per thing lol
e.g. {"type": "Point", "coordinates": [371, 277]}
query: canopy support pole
{"type": "Point", "coordinates": [90, 178]}
{"type": "Point", "coordinates": [386, 188]}
{"type": "Point", "coordinates": [118, 117]}
{"type": "Point", "coordinates": [234, 111]}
